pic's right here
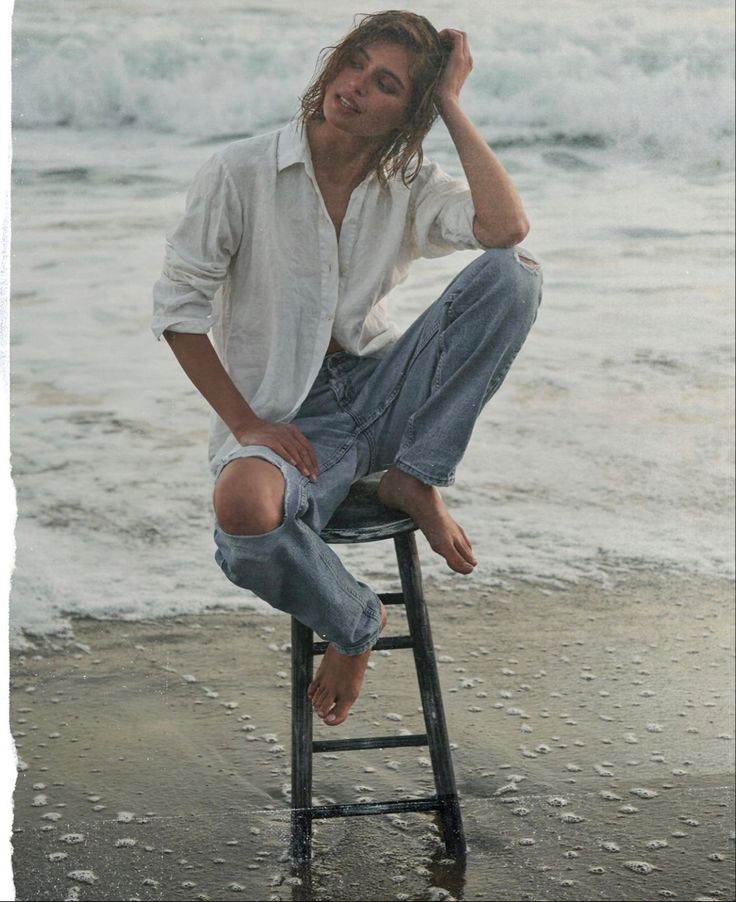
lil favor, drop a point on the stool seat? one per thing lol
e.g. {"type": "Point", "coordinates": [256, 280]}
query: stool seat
{"type": "Point", "coordinates": [362, 517]}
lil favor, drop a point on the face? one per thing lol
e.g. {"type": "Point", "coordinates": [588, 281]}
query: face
{"type": "Point", "coordinates": [370, 95]}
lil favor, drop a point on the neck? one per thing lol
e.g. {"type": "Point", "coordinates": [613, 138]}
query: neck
{"type": "Point", "coordinates": [341, 156]}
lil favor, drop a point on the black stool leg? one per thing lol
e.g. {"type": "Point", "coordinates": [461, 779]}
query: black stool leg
{"type": "Point", "coordinates": [301, 742]}
{"type": "Point", "coordinates": [429, 690]}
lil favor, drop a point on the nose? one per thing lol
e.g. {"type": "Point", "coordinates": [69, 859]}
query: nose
{"type": "Point", "coordinates": [358, 82]}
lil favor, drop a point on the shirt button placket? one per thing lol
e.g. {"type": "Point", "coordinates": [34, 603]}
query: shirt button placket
{"type": "Point", "coordinates": [329, 272]}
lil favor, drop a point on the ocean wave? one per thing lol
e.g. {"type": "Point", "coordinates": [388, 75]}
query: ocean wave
{"type": "Point", "coordinates": [631, 83]}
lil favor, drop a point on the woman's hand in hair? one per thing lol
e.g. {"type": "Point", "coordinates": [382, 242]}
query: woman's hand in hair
{"type": "Point", "coordinates": [500, 220]}
{"type": "Point", "coordinates": [458, 65]}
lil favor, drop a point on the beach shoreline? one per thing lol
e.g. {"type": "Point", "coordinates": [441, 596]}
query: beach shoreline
{"type": "Point", "coordinates": [591, 730]}
{"type": "Point", "coordinates": [587, 666]}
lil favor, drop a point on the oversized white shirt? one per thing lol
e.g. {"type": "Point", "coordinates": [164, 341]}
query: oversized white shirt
{"type": "Point", "coordinates": [256, 227]}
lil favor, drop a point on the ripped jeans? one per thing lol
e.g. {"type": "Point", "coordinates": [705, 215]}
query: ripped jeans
{"type": "Point", "coordinates": [414, 408]}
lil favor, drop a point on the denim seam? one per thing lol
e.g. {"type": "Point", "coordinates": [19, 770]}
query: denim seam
{"type": "Point", "coordinates": [338, 455]}
{"type": "Point", "coordinates": [365, 422]}
{"type": "Point", "coordinates": [410, 426]}
{"type": "Point", "coordinates": [303, 501]}
{"type": "Point", "coordinates": [344, 404]}
{"type": "Point", "coordinates": [371, 448]}
{"type": "Point", "coordinates": [336, 577]}
{"type": "Point", "coordinates": [440, 360]}
{"type": "Point", "coordinates": [449, 300]}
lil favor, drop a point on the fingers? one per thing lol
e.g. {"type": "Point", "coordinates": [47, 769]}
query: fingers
{"type": "Point", "coordinates": [454, 37]}
{"type": "Point", "coordinates": [297, 456]}
{"type": "Point", "coordinates": [459, 62]}
{"type": "Point", "coordinates": [288, 441]}
{"type": "Point", "coordinates": [465, 547]}
{"type": "Point", "coordinates": [307, 448]}
{"type": "Point", "coordinates": [295, 447]}
{"type": "Point", "coordinates": [464, 48]}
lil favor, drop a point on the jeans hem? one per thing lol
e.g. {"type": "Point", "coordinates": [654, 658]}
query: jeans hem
{"type": "Point", "coordinates": [353, 650]}
{"type": "Point", "coordinates": [366, 644]}
{"type": "Point", "coordinates": [424, 477]}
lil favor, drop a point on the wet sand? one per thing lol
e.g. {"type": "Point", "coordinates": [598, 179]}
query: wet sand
{"type": "Point", "coordinates": [593, 737]}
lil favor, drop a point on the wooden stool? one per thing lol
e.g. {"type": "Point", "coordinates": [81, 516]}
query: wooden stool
{"type": "Point", "coordinates": [362, 518]}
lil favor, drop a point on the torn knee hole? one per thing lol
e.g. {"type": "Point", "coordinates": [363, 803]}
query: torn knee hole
{"type": "Point", "coordinates": [528, 262]}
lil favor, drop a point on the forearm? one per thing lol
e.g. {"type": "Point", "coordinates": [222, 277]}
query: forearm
{"type": "Point", "coordinates": [500, 220]}
{"type": "Point", "coordinates": [200, 362]}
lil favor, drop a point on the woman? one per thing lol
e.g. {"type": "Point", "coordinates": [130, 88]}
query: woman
{"type": "Point", "coordinates": [307, 229]}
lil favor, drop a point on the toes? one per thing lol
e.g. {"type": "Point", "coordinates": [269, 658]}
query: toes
{"type": "Point", "coordinates": [324, 713]}
{"type": "Point", "coordinates": [458, 562]}
{"type": "Point", "coordinates": [316, 683]}
{"type": "Point", "coordinates": [339, 714]}
{"type": "Point", "coordinates": [463, 567]}
{"type": "Point", "coordinates": [322, 702]}
{"type": "Point", "coordinates": [466, 546]}
{"type": "Point", "coordinates": [456, 559]}
{"type": "Point", "coordinates": [465, 551]}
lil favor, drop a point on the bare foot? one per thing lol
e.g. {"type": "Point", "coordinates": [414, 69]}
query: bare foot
{"type": "Point", "coordinates": [338, 682]}
{"type": "Point", "coordinates": [425, 506]}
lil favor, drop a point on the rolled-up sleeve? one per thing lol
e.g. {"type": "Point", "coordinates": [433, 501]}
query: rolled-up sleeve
{"type": "Point", "coordinates": [198, 252]}
{"type": "Point", "coordinates": [443, 214]}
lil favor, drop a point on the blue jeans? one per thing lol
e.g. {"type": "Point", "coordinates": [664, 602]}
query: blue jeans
{"type": "Point", "coordinates": [413, 408]}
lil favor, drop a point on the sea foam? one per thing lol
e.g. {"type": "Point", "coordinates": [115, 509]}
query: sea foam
{"type": "Point", "coordinates": [651, 82]}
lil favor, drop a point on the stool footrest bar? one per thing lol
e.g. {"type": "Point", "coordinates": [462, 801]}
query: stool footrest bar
{"type": "Point", "coordinates": [357, 808]}
{"type": "Point", "coordinates": [371, 742]}
{"type": "Point", "coordinates": [319, 648]}
{"type": "Point", "coordinates": [391, 597]}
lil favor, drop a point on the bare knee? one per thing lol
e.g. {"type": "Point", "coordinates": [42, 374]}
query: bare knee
{"type": "Point", "coordinates": [249, 497]}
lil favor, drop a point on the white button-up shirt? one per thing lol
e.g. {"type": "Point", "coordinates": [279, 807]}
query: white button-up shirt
{"type": "Point", "coordinates": [257, 228]}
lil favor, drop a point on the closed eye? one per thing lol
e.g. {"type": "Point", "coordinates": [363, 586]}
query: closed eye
{"type": "Point", "coordinates": [388, 82]}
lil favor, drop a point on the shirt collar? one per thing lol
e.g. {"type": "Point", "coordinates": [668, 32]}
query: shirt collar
{"type": "Point", "coordinates": [293, 147]}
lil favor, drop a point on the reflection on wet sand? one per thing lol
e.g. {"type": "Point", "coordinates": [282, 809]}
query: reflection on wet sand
{"type": "Point", "coordinates": [593, 747]}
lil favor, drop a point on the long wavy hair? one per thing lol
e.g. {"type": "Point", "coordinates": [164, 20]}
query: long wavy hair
{"type": "Point", "coordinates": [400, 154]}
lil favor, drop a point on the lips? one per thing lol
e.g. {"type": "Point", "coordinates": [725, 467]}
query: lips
{"type": "Point", "coordinates": [346, 104]}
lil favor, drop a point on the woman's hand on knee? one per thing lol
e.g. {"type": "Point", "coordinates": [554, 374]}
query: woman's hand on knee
{"type": "Point", "coordinates": [286, 440]}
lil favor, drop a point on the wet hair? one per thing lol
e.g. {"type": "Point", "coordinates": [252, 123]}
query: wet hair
{"type": "Point", "coordinates": [400, 154]}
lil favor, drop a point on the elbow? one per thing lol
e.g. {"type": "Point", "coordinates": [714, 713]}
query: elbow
{"type": "Point", "coordinates": [511, 234]}
{"type": "Point", "coordinates": [521, 231]}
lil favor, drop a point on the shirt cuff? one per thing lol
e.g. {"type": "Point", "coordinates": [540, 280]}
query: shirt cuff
{"type": "Point", "coordinates": [161, 324]}
{"type": "Point", "coordinates": [459, 226]}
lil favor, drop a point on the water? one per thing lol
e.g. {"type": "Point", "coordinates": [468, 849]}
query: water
{"type": "Point", "coordinates": [610, 446]}
{"type": "Point", "coordinates": [654, 84]}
